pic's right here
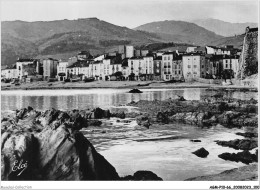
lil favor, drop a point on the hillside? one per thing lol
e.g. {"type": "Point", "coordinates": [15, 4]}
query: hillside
{"type": "Point", "coordinates": [180, 31]}
{"type": "Point", "coordinates": [223, 28]}
{"type": "Point", "coordinates": [236, 41]}
{"type": "Point", "coordinates": [51, 38]}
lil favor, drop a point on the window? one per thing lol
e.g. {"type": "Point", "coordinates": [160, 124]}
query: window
{"type": "Point", "coordinates": [167, 76]}
{"type": "Point", "coordinates": [202, 66]}
{"type": "Point", "coordinates": [195, 73]}
{"type": "Point", "coordinates": [164, 58]}
{"type": "Point", "coordinates": [226, 61]}
{"type": "Point", "coordinates": [226, 65]}
{"type": "Point", "coordinates": [195, 66]}
{"type": "Point", "coordinates": [157, 70]}
{"type": "Point", "coordinates": [175, 66]}
{"type": "Point", "coordinates": [179, 72]}
{"type": "Point", "coordinates": [175, 72]}
{"type": "Point", "coordinates": [158, 65]}
{"type": "Point", "coordinates": [189, 66]}
{"type": "Point", "coordinates": [169, 58]}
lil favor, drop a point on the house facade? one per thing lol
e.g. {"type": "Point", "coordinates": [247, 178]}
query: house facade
{"type": "Point", "coordinates": [177, 66]}
{"type": "Point", "coordinates": [9, 72]}
{"type": "Point", "coordinates": [27, 67]}
{"type": "Point", "coordinates": [61, 70]}
{"type": "Point", "coordinates": [192, 66]}
{"type": "Point", "coordinates": [157, 68]}
{"type": "Point", "coordinates": [49, 68]}
{"type": "Point", "coordinates": [136, 66]}
{"type": "Point", "coordinates": [167, 59]}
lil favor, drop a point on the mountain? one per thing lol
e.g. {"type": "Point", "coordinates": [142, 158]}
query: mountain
{"type": "Point", "coordinates": [223, 28]}
{"type": "Point", "coordinates": [65, 37]}
{"type": "Point", "coordinates": [180, 31]}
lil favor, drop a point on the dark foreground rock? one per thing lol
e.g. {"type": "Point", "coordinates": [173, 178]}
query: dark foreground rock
{"type": "Point", "coordinates": [245, 173]}
{"type": "Point", "coordinates": [142, 176]}
{"type": "Point", "coordinates": [202, 152]}
{"type": "Point", "coordinates": [48, 146]}
{"type": "Point", "coordinates": [240, 144]}
{"type": "Point", "coordinates": [135, 91]}
{"type": "Point", "coordinates": [245, 157]}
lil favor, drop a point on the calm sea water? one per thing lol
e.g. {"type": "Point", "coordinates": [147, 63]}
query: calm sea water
{"type": "Point", "coordinates": [104, 98]}
{"type": "Point", "coordinates": [165, 149]}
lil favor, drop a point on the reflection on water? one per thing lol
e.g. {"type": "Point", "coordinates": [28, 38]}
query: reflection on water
{"type": "Point", "coordinates": [105, 98]}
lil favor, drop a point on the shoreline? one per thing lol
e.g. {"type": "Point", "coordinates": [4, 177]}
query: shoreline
{"type": "Point", "coordinates": [118, 85]}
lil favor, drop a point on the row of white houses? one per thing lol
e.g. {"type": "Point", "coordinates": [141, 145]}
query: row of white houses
{"type": "Point", "coordinates": [161, 66]}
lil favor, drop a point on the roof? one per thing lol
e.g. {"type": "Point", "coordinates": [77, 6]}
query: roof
{"type": "Point", "coordinates": [50, 59]}
{"type": "Point", "coordinates": [202, 48]}
{"type": "Point", "coordinates": [158, 58]}
{"type": "Point", "coordinates": [173, 49]}
{"type": "Point", "coordinates": [133, 58]}
{"type": "Point", "coordinates": [110, 57]}
{"type": "Point", "coordinates": [169, 53]}
{"type": "Point", "coordinates": [218, 57]}
{"type": "Point", "coordinates": [149, 55]}
{"type": "Point", "coordinates": [193, 54]}
{"type": "Point", "coordinates": [79, 64]}
{"type": "Point", "coordinates": [25, 60]}
{"type": "Point", "coordinates": [88, 55]}
{"type": "Point", "coordinates": [97, 62]}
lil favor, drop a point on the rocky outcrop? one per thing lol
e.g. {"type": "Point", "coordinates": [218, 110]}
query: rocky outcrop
{"type": "Point", "coordinates": [245, 173]}
{"type": "Point", "coordinates": [245, 157]}
{"type": "Point", "coordinates": [142, 176]}
{"type": "Point", "coordinates": [135, 91]}
{"type": "Point", "coordinates": [48, 146]}
{"type": "Point", "coordinates": [209, 111]}
{"type": "Point", "coordinates": [202, 153]}
{"type": "Point", "coordinates": [120, 115]}
{"type": "Point", "coordinates": [162, 117]}
{"type": "Point", "coordinates": [195, 140]}
{"type": "Point", "coordinates": [143, 120]}
{"type": "Point", "coordinates": [248, 134]}
{"type": "Point", "coordinates": [240, 144]}
{"type": "Point", "coordinates": [100, 113]}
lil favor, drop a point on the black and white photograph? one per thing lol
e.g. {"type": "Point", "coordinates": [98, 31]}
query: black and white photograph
{"type": "Point", "coordinates": [103, 94]}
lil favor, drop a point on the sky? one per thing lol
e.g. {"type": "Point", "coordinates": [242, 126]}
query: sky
{"type": "Point", "coordinates": [130, 13]}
